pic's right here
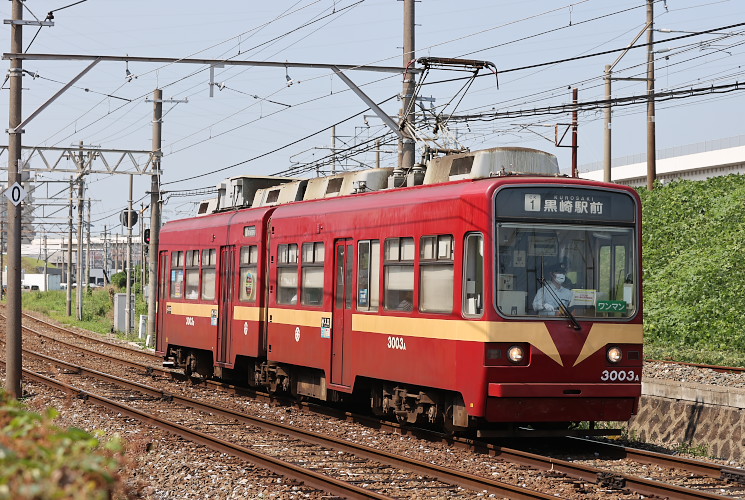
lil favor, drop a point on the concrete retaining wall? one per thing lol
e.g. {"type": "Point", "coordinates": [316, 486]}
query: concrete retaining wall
{"type": "Point", "coordinates": [698, 415]}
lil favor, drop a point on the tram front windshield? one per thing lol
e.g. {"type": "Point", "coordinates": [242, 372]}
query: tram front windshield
{"type": "Point", "coordinates": [552, 270]}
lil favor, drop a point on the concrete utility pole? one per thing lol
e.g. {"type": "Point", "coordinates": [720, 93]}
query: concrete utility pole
{"type": "Point", "coordinates": [2, 253]}
{"type": "Point", "coordinates": [128, 307]}
{"type": "Point", "coordinates": [153, 263]}
{"type": "Point", "coordinates": [46, 264]}
{"type": "Point", "coordinates": [105, 256]}
{"type": "Point", "coordinates": [651, 142]}
{"type": "Point", "coordinates": [608, 83]}
{"type": "Point", "coordinates": [575, 172]}
{"type": "Point", "coordinates": [69, 254]}
{"type": "Point", "coordinates": [606, 129]}
{"type": "Point", "coordinates": [13, 313]}
{"type": "Point", "coordinates": [79, 259]}
{"type": "Point", "coordinates": [406, 144]}
{"type": "Point", "coordinates": [88, 249]}
{"type": "Point", "coordinates": [333, 150]}
{"type": "Point", "coordinates": [143, 269]}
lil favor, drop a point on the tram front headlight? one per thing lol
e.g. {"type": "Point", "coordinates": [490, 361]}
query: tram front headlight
{"type": "Point", "coordinates": [614, 354]}
{"type": "Point", "coordinates": [515, 354]}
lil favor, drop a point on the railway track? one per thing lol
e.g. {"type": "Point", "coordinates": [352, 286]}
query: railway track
{"type": "Point", "coordinates": [716, 368]}
{"type": "Point", "coordinates": [603, 478]}
{"type": "Point", "coordinates": [378, 469]}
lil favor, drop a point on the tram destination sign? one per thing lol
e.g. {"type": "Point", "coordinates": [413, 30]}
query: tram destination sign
{"type": "Point", "coordinates": [557, 202]}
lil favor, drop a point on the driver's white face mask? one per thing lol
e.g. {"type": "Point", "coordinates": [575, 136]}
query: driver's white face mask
{"type": "Point", "coordinates": [560, 278]}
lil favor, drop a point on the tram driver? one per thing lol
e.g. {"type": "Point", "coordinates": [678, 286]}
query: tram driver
{"type": "Point", "coordinates": [553, 294]}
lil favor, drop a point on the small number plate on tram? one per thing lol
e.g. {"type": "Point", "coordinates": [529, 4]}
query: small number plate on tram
{"type": "Point", "coordinates": [619, 376]}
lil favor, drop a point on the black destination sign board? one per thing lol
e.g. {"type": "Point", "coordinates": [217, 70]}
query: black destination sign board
{"type": "Point", "coordinates": [567, 203]}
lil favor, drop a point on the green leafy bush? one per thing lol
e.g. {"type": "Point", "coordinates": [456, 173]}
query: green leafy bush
{"type": "Point", "coordinates": [119, 280]}
{"type": "Point", "coordinates": [41, 460]}
{"type": "Point", "coordinates": [693, 258]}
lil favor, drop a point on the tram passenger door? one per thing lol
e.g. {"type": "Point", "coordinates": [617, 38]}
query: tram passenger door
{"type": "Point", "coordinates": [225, 301]}
{"type": "Point", "coordinates": [342, 322]}
{"type": "Point", "coordinates": [161, 297]}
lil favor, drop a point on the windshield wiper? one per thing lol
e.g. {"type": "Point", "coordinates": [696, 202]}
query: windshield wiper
{"type": "Point", "coordinates": [562, 307]}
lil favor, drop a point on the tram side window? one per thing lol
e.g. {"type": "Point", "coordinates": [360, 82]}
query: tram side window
{"type": "Point", "coordinates": [312, 289]}
{"type": "Point", "coordinates": [473, 286]}
{"type": "Point", "coordinates": [287, 274]}
{"type": "Point", "coordinates": [192, 274]}
{"type": "Point", "coordinates": [209, 273]}
{"type": "Point", "coordinates": [399, 274]}
{"type": "Point", "coordinates": [437, 274]}
{"type": "Point", "coordinates": [177, 275]}
{"type": "Point", "coordinates": [249, 275]}
{"type": "Point", "coordinates": [368, 275]}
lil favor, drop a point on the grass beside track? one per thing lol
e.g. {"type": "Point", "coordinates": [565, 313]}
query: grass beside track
{"type": "Point", "coordinates": [98, 309]}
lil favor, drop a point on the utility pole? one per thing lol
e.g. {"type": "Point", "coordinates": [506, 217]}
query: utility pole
{"type": "Point", "coordinates": [333, 150]}
{"type": "Point", "coordinates": [79, 259]}
{"type": "Point", "coordinates": [651, 142]}
{"type": "Point", "coordinates": [606, 128]}
{"type": "Point", "coordinates": [154, 216]}
{"type": "Point", "coordinates": [88, 250]}
{"type": "Point", "coordinates": [608, 83]}
{"type": "Point", "coordinates": [13, 312]}
{"type": "Point", "coordinates": [142, 249]}
{"type": "Point", "coordinates": [128, 308]}
{"type": "Point", "coordinates": [46, 264]}
{"type": "Point", "coordinates": [406, 144]}
{"type": "Point", "coordinates": [575, 173]}
{"type": "Point", "coordinates": [2, 254]}
{"type": "Point", "coordinates": [105, 256]}
{"type": "Point", "coordinates": [69, 254]}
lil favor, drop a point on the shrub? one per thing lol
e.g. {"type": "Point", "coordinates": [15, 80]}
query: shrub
{"type": "Point", "coordinates": [41, 460]}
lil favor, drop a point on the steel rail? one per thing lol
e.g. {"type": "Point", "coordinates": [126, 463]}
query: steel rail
{"type": "Point", "coordinates": [591, 474]}
{"type": "Point", "coordinates": [462, 479]}
{"type": "Point", "coordinates": [716, 368]}
{"type": "Point", "coordinates": [286, 469]}
{"type": "Point", "coordinates": [72, 332]}
{"type": "Point", "coordinates": [579, 471]}
{"type": "Point", "coordinates": [691, 465]}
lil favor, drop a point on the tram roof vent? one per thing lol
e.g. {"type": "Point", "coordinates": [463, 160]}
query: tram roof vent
{"type": "Point", "coordinates": [354, 182]}
{"type": "Point", "coordinates": [279, 194]}
{"type": "Point", "coordinates": [207, 206]}
{"type": "Point", "coordinates": [489, 163]}
{"type": "Point", "coordinates": [243, 188]}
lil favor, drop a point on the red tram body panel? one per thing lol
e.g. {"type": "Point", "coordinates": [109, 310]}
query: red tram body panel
{"type": "Point", "coordinates": [434, 301]}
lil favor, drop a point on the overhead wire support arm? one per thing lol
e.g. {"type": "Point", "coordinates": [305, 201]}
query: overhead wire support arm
{"type": "Point", "coordinates": [205, 62]}
{"type": "Point", "coordinates": [55, 96]}
{"type": "Point", "coordinates": [373, 106]}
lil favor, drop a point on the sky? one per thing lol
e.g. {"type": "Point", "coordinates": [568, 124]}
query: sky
{"type": "Point", "coordinates": [257, 123]}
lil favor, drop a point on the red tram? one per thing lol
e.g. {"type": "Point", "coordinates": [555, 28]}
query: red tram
{"type": "Point", "coordinates": [429, 302]}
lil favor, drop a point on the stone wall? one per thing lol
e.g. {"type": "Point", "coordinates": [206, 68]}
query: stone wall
{"type": "Point", "coordinates": [710, 417]}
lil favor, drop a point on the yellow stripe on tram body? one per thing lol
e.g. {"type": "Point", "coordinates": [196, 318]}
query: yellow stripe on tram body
{"type": "Point", "coordinates": [298, 317]}
{"type": "Point", "coordinates": [534, 333]}
{"type": "Point", "coordinates": [245, 313]}
{"type": "Point", "coordinates": [470, 331]}
{"type": "Point", "coordinates": [186, 309]}
{"type": "Point", "coordinates": [602, 334]}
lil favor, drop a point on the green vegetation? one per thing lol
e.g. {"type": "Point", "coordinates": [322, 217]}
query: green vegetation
{"type": "Point", "coordinates": [41, 460]}
{"type": "Point", "coordinates": [694, 265]}
{"type": "Point", "coordinates": [98, 308]}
